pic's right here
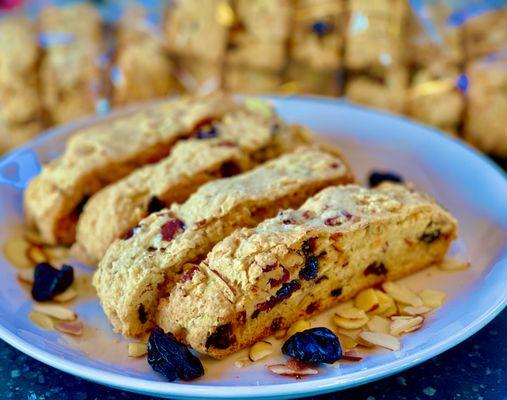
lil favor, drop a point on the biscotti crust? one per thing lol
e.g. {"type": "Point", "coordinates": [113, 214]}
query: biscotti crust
{"type": "Point", "coordinates": [259, 280]}
{"type": "Point", "coordinates": [104, 153]}
{"type": "Point", "coordinates": [134, 273]}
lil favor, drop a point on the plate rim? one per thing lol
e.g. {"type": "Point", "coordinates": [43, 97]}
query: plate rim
{"type": "Point", "coordinates": [284, 390]}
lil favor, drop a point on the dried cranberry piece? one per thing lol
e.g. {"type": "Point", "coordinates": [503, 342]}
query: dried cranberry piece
{"type": "Point", "coordinates": [222, 338]}
{"type": "Point", "coordinates": [375, 268]}
{"type": "Point", "coordinates": [284, 278]}
{"type": "Point", "coordinates": [276, 324]}
{"type": "Point", "coordinates": [142, 315]}
{"type": "Point", "coordinates": [317, 345]}
{"type": "Point", "coordinates": [377, 177]}
{"type": "Point", "coordinates": [171, 228]}
{"type": "Point", "coordinates": [229, 168]}
{"type": "Point", "coordinates": [155, 205]}
{"type": "Point", "coordinates": [311, 268]}
{"type": "Point", "coordinates": [287, 289]}
{"type": "Point", "coordinates": [312, 307]}
{"type": "Point", "coordinates": [49, 281]}
{"type": "Point", "coordinates": [189, 274]}
{"type": "Point", "coordinates": [130, 233]}
{"type": "Point", "coordinates": [171, 358]}
{"type": "Point", "coordinates": [333, 221]}
{"type": "Point", "coordinates": [307, 248]}
{"type": "Point", "coordinates": [322, 28]}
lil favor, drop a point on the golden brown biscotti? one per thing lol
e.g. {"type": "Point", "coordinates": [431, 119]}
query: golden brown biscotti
{"type": "Point", "coordinates": [486, 33]}
{"type": "Point", "coordinates": [99, 155]}
{"type": "Point", "coordinates": [137, 271]}
{"type": "Point", "coordinates": [301, 262]}
{"type": "Point", "coordinates": [237, 143]}
{"type": "Point", "coordinates": [71, 71]}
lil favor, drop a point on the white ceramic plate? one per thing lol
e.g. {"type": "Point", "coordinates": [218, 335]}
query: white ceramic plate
{"type": "Point", "coordinates": [469, 185]}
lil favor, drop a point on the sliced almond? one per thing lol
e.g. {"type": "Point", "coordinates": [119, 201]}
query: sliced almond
{"type": "Point", "coordinates": [381, 339]}
{"type": "Point", "coordinates": [25, 276]}
{"type": "Point", "coordinates": [36, 255]}
{"type": "Point", "coordinates": [41, 320]}
{"type": "Point", "coordinates": [260, 350]}
{"type": "Point", "coordinates": [409, 310]}
{"type": "Point", "coordinates": [33, 237]}
{"type": "Point", "coordinates": [385, 303]}
{"type": "Point", "coordinates": [367, 300]}
{"type": "Point", "coordinates": [378, 324]}
{"type": "Point", "coordinates": [280, 334]}
{"type": "Point", "coordinates": [284, 370]}
{"type": "Point", "coordinates": [137, 349]}
{"type": "Point", "coordinates": [351, 333]}
{"type": "Point", "coordinates": [347, 323]}
{"type": "Point", "coordinates": [344, 305]}
{"type": "Point", "coordinates": [404, 325]}
{"type": "Point", "coordinates": [432, 298]}
{"type": "Point", "coordinates": [347, 343]}
{"type": "Point", "coordinates": [352, 355]}
{"type": "Point", "coordinates": [453, 265]}
{"type": "Point", "coordinates": [56, 254]}
{"type": "Point", "coordinates": [298, 326]}
{"type": "Point", "coordinates": [73, 328]}
{"type": "Point", "coordinates": [351, 313]}
{"type": "Point", "coordinates": [402, 294]}
{"type": "Point", "coordinates": [68, 295]}
{"type": "Point", "coordinates": [56, 311]}
{"type": "Point", "coordinates": [15, 250]}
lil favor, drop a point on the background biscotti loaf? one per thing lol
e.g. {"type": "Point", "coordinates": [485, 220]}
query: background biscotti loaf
{"type": "Point", "coordinates": [102, 154]}
{"type": "Point", "coordinates": [136, 271]}
{"type": "Point", "coordinates": [262, 279]}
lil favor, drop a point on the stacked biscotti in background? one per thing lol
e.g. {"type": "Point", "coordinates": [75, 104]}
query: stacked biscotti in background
{"type": "Point", "coordinates": [141, 67]}
{"type": "Point", "coordinates": [20, 106]}
{"type": "Point", "coordinates": [317, 45]}
{"type": "Point", "coordinates": [375, 53]}
{"type": "Point", "coordinates": [71, 71]}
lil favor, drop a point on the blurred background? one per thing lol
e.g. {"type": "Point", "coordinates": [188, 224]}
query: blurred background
{"type": "Point", "coordinates": [442, 62]}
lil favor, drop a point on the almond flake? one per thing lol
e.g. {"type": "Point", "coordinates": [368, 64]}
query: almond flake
{"type": "Point", "coordinates": [385, 304]}
{"type": "Point", "coordinates": [68, 295]}
{"type": "Point", "coordinates": [56, 311]}
{"type": "Point", "coordinates": [381, 339]}
{"type": "Point", "coordinates": [56, 254]}
{"type": "Point", "coordinates": [347, 343]}
{"type": "Point", "coordinates": [36, 255]}
{"type": "Point", "coordinates": [137, 349]}
{"type": "Point", "coordinates": [367, 300]}
{"type": "Point", "coordinates": [25, 276]}
{"type": "Point", "coordinates": [41, 320]}
{"type": "Point", "coordinates": [404, 325]}
{"type": "Point", "coordinates": [15, 251]}
{"type": "Point", "coordinates": [351, 313]}
{"type": "Point", "coordinates": [409, 310]}
{"type": "Point", "coordinates": [284, 370]}
{"type": "Point", "coordinates": [432, 298]}
{"type": "Point", "coordinates": [453, 265]}
{"type": "Point", "coordinates": [71, 327]}
{"type": "Point", "coordinates": [402, 294]}
{"type": "Point", "coordinates": [33, 238]}
{"type": "Point", "coordinates": [351, 333]}
{"type": "Point", "coordinates": [260, 350]}
{"type": "Point", "coordinates": [347, 323]}
{"type": "Point", "coordinates": [344, 305]}
{"type": "Point", "coordinates": [298, 326]}
{"type": "Point", "coordinates": [378, 324]}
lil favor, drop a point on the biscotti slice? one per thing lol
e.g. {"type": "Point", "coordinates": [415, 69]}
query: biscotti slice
{"type": "Point", "coordinates": [137, 270]}
{"type": "Point", "coordinates": [341, 241]}
{"type": "Point", "coordinates": [227, 148]}
{"type": "Point", "coordinates": [99, 155]}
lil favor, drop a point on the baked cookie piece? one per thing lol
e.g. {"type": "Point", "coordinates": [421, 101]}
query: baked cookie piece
{"type": "Point", "coordinates": [435, 98]}
{"type": "Point", "coordinates": [486, 34]}
{"type": "Point", "coordinates": [137, 271]}
{"type": "Point", "coordinates": [385, 91]}
{"type": "Point", "coordinates": [198, 29]}
{"type": "Point", "coordinates": [317, 37]}
{"type": "Point", "coordinates": [251, 80]}
{"type": "Point", "coordinates": [142, 70]}
{"type": "Point", "coordinates": [301, 78]}
{"type": "Point", "coordinates": [70, 71]}
{"type": "Point", "coordinates": [486, 118]}
{"type": "Point", "coordinates": [301, 262]}
{"type": "Point", "coordinates": [375, 34]}
{"type": "Point", "coordinates": [223, 149]}
{"type": "Point", "coordinates": [99, 155]}
{"type": "Point", "coordinates": [19, 56]}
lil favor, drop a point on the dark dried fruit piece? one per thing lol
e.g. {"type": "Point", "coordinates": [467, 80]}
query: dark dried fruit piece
{"type": "Point", "coordinates": [316, 345]}
{"type": "Point", "coordinates": [322, 28]}
{"type": "Point", "coordinates": [375, 268]}
{"type": "Point", "coordinates": [130, 233]}
{"type": "Point", "coordinates": [155, 205]}
{"type": "Point", "coordinates": [312, 307]}
{"type": "Point", "coordinates": [229, 168]}
{"type": "Point", "coordinates": [336, 292]}
{"type": "Point", "coordinates": [142, 315]}
{"type": "Point", "coordinates": [207, 133]}
{"type": "Point", "coordinates": [222, 338]}
{"type": "Point", "coordinates": [430, 237]}
{"type": "Point", "coordinates": [377, 177]}
{"type": "Point", "coordinates": [311, 268]}
{"type": "Point", "coordinates": [49, 281]}
{"type": "Point", "coordinates": [287, 289]}
{"type": "Point", "coordinates": [172, 359]}
{"type": "Point", "coordinates": [284, 278]}
{"type": "Point", "coordinates": [171, 228]}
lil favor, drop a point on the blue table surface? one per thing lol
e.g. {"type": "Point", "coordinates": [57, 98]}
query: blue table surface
{"type": "Point", "coordinates": [476, 369]}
